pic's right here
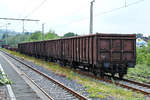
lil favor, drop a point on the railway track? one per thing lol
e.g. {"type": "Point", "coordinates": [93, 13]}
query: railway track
{"type": "Point", "coordinates": [125, 83]}
{"type": "Point", "coordinates": [136, 86]}
{"type": "Point", "coordinates": [58, 90]}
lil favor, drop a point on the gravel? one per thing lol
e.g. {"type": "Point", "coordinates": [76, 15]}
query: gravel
{"type": "Point", "coordinates": [51, 88]}
{"type": "Point", "coordinates": [3, 94]}
{"type": "Point", "coordinates": [69, 83]}
{"type": "Point", "coordinates": [43, 82]}
{"type": "Point", "coordinates": [135, 86]}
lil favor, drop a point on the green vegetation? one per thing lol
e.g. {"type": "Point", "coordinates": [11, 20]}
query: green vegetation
{"type": "Point", "coordinates": [4, 79]}
{"type": "Point", "coordinates": [94, 87]}
{"type": "Point", "coordinates": [69, 34]}
{"type": "Point", "coordinates": [50, 35]}
{"type": "Point", "coordinates": [141, 72]}
{"type": "Point", "coordinates": [143, 55]}
{"type": "Point", "coordinates": [13, 40]}
{"type": "Point", "coordinates": [97, 89]}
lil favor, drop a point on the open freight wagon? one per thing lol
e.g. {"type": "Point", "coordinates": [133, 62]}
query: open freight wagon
{"type": "Point", "coordinates": [98, 53]}
{"type": "Point", "coordinates": [101, 53]}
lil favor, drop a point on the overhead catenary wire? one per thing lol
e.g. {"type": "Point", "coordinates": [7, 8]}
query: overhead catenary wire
{"type": "Point", "coordinates": [121, 7]}
{"type": "Point", "coordinates": [106, 12]}
{"type": "Point", "coordinates": [24, 19]}
{"type": "Point", "coordinates": [24, 10]}
{"type": "Point", "coordinates": [35, 9]}
{"type": "Point", "coordinates": [30, 13]}
{"type": "Point", "coordinates": [85, 18]}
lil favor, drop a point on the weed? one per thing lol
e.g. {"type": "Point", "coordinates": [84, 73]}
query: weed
{"type": "Point", "coordinates": [140, 73]}
{"type": "Point", "coordinates": [4, 79]}
{"type": "Point", "coordinates": [96, 88]}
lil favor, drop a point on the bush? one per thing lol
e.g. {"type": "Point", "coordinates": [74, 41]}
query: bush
{"type": "Point", "coordinates": [148, 59]}
{"type": "Point", "coordinates": [143, 55]}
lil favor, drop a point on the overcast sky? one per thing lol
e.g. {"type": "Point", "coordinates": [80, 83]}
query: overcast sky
{"type": "Point", "coordinates": [64, 16]}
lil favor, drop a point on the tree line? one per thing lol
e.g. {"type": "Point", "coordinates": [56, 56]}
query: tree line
{"type": "Point", "coordinates": [13, 40]}
{"type": "Point", "coordinates": [143, 54]}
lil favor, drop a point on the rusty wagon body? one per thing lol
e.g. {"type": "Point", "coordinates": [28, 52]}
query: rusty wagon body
{"type": "Point", "coordinates": [99, 53]}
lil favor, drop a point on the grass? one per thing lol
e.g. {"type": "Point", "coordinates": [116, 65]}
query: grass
{"type": "Point", "coordinates": [95, 88]}
{"type": "Point", "coordinates": [140, 73]}
{"type": "Point", "coordinates": [4, 79]}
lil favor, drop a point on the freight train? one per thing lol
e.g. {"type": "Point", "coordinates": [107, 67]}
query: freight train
{"type": "Point", "coordinates": [97, 53]}
{"type": "Point", "coordinates": [9, 47]}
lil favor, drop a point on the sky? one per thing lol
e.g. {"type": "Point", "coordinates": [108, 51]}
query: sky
{"type": "Point", "coordinates": [62, 16]}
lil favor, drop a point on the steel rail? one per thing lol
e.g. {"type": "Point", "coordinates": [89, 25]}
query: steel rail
{"type": "Point", "coordinates": [131, 81]}
{"type": "Point", "coordinates": [81, 97]}
{"type": "Point", "coordinates": [110, 81]}
{"type": "Point", "coordinates": [38, 87]}
{"type": "Point", "coordinates": [22, 73]}
{"type": "Point", "coordinates": [137, 83]}
{"type": "Point", "coordinates": [117, 83]}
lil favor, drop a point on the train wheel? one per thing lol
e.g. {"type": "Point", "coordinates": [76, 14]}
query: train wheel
{"type": "Point", "coordinates": [95, 73]}
{"type": "Point", "coordinates": [121, 75]}
{"type": "Point", "coordinates": [74, 65]}
{"type": "Point", "coordinates": [62, 63]}
{"type": "Point", "coordinates": [112, 74]}
{"type": "Point", "coordinates": [95, 70]}
{"type": "Point", "coordinates": [101, 73]}
{"type": "Point", "coordinates": [90, 69]}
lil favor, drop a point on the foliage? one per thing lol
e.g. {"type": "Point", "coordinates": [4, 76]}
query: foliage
{"type": "Point", "coordinates": [4, 36]}
{"type": "Point", "coordinates": [4, 80]}
{"type": "Point", "coordinates": [143, 55]}
{"type": "Point", "coordinates": [69, 34]}
{"type": "Point", "coordinates": [13, 40]}
{"type": "Point", "coordinates": [95, 88]}
{"type": "Point", "coordinates": [139, 35]}
{"type": "Point", "coordinates": [141, 72]}
{"type": "Point", "coordinates": [50, 35]}
{"type": "Point", "coordinates": [36, 36]}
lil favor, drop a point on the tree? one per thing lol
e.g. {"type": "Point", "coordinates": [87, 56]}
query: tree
{"type": "Point", "coordinates": [13, 40]}
{"type": "Point", "coordinates": [139, 35]}
{"type": "Point", "coordinates": [5, 36]}
{"type": "Point", "coordinates": [50, 35]}
{"type": "Point", "coordinates": [69, 34]}
{"type": "Point", "coordinates": [26, 33]}
{"type": "Point", "coordinates": [36, 36]}
{"type": "Point", "coordinates": [143, 54]}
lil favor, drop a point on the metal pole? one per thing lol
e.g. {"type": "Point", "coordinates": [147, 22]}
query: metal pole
{"type": "Point", "coordinates": [23, 26]}
{"type": "Point", "coordinates": [20, 20]}
{"type": "Point", "coordinates": [7, 33]}
{"type": "Point", "coordinates": [42, 31]}
{"type": "Point", "coordinates": [91, 17]}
